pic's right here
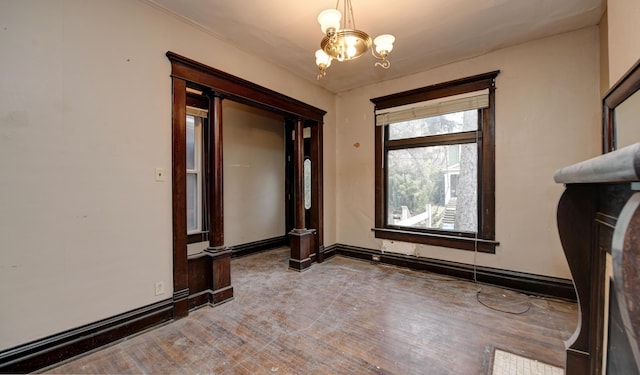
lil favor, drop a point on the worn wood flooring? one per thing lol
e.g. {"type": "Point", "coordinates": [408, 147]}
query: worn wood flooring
{"type": "Point", "coordinates": [343, 316]}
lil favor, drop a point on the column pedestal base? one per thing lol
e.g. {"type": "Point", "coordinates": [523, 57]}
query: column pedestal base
{"type": "Point", "coordinates": [301, 240]}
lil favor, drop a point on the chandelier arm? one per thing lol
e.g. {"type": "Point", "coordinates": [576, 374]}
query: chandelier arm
{"type": "Point", "coordinates": [385, 64]}
{"type": "Point", "coordinates": [379, 57]}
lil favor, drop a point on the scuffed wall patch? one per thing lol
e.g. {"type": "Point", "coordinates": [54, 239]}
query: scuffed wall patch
{"type": "Point", "coordinates": [398, 247]}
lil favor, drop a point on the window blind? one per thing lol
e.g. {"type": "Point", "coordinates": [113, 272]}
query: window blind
{"type": "Point", "coordinates": [435, 107]}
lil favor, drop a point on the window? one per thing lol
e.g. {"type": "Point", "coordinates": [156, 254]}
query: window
{"type": "Point", "coordinates": [435, 165]}
{"type": "Point", "coordinates": [307, 183]}
{"type": "Point", "coordinates": [194, 174]}
{"type": "Point", "coordinates": [195, 170]}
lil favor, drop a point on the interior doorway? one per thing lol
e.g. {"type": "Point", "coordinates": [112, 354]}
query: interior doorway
{"type": "Point", "coordinates": [204, 278]}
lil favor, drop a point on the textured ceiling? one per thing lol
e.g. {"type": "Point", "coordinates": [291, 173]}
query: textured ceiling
{"type": "Point", "coordinates": [428, 33]}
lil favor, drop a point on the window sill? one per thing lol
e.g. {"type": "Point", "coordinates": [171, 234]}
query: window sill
{"type": "Point", "coordinates": [197, 237]}
{"type": "Point", "coordinates": [456, 242]}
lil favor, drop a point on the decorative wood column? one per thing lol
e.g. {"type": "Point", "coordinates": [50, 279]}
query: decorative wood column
{"type": "Point", "coordinates": [221, 289]}
{"type": "Point", "coordinates": [317, 194]}
{"type": "Point", "coordinates": [300, 238]}
{"type": "Point", "coordinates": [179, 201]}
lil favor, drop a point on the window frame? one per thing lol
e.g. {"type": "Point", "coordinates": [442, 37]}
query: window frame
{"type": "Point", "coordinates": [196, 98]}
{"type": "Point", "coordinates": [198, 171]}
{"type": "Point", "coordinates": [484, 239]}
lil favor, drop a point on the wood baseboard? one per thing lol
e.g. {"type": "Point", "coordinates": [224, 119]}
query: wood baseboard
{"type": "Point", "coordinates": [53, 349]}
{"type": "Point", "coordinates": [539, 285]}
{"type": "Point", "coordinates": [258, 246]}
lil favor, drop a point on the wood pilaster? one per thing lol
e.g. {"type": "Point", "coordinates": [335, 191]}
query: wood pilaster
{"type": "Point", "coordinates": [298, 175]}
{"type": "Point", "coordinates": [300, 238]}
{"type": "Point", "coordinates": [179, 201]}
{"type": "Point", "coordinates": [219, 255]}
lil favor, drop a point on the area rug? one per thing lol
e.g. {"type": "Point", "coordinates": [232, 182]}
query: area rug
{"type": "Point", "coordinates": [505, 363]}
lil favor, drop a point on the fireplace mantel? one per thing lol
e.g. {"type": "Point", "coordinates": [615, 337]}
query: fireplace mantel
{"type": "Point", "coordinates": [599, 213]}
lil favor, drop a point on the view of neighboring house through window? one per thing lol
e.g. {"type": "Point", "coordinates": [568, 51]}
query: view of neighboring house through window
{"type": "Point", "coordinates": [433, 184]}
{"type": "Point", "coordinates": [435, 165]}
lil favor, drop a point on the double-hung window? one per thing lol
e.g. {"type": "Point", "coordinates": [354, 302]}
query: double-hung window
{"type": "Point", "coordinates": [195, 160]}
{"type": "Point", "coordinates": [435, 165]}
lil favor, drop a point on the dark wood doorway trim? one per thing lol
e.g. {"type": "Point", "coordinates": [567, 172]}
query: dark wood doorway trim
{"type": "Point", "coordinates": [189, 73]}
{"type": "Point", "coordinates": [313, 145]}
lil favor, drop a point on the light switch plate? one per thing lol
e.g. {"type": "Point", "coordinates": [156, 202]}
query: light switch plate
{"type": "Point", "coordinates": [159, 174]}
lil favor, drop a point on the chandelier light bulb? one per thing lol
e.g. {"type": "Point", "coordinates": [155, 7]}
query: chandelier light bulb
{"type": "Point", "coordinates": [384, 43]}
{"type": "Point", "coordinates": [351, 51]}
{"type": "Point", "coordinates": [329, 19]}
{"type": "Point", "coordinates": [322, 59]}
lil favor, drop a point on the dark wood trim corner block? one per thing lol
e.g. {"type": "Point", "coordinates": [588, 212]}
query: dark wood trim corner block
{"type": "Point", "coordinates": [50, 350]}
{"type": "Point", "coordinates": [300, 242]}
{"type": "Point", "coordinates": [527, 283]}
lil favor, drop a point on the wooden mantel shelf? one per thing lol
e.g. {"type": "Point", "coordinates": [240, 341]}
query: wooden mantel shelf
{"type": "Point", "coordinates": [599, 213]}
{"type": "Point", "coordinates": [618, 166]}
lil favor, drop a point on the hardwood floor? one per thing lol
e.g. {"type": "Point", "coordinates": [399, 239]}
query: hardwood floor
{"type": "Point", "coordinates": [343, 316]}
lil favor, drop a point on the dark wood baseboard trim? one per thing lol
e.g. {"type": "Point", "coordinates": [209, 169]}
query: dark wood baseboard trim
{"type": "Point", "coordinates": [520, 281]}
{"type": "Point", "coordinates": [258, 246]}
{"type": "Point", "coordinates": [328, 252]}
{"type": "Point", "coordinates": [210, 298]}
{"type": "Point", "coordinates": [180, 303]}
{"type": "Point", "coordinates": [59, 347]}
{"type": "Point", "coordinates": [209, 279]}
{"type": "Point", "coordinates": [299, 265]}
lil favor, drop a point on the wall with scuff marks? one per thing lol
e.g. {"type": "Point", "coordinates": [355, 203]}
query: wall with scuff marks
{"type": "Point", "coordinates": [254, 174]}
{"type": "Point", "coordinates": [85, 118]}
{"type": "Point", "coordinates": [547, 117]}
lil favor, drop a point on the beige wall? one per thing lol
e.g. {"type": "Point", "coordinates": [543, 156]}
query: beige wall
{"type": "Point", "coordinates": [603, 29]}
{"type": "Point", "coordinates": [547, 117]}
{"type": "Point", "coordinates": [623, 52]}
{"type": "Point", "coordinates": [85, 118]}
{"type": "Point", "coordinates": [254, 174]}
{"type": "Point", "coordinates": [624, 36]}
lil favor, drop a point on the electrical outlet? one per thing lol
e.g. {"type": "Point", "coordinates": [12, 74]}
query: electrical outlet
{"type": "Point", "coordinates": [159, 174]}
{"type": "Point", "coordinates": [159, 288]}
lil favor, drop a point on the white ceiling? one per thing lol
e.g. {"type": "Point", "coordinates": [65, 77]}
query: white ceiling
{"type": "Point", "coordinates": [428, 33]}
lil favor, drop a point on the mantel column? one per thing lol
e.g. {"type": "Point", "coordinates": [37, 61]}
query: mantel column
{"type": "Point", "coordinates": [300, 237]}
{"type": "Point", "coordinates": [219, 254]}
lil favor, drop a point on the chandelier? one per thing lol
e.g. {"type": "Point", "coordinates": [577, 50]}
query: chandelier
{"type": "Point", "coordinates": [346, 42]}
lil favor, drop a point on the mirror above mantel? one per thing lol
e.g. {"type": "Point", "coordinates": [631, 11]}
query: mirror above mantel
{"type": "Point", "coordinates": [621, 112]}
